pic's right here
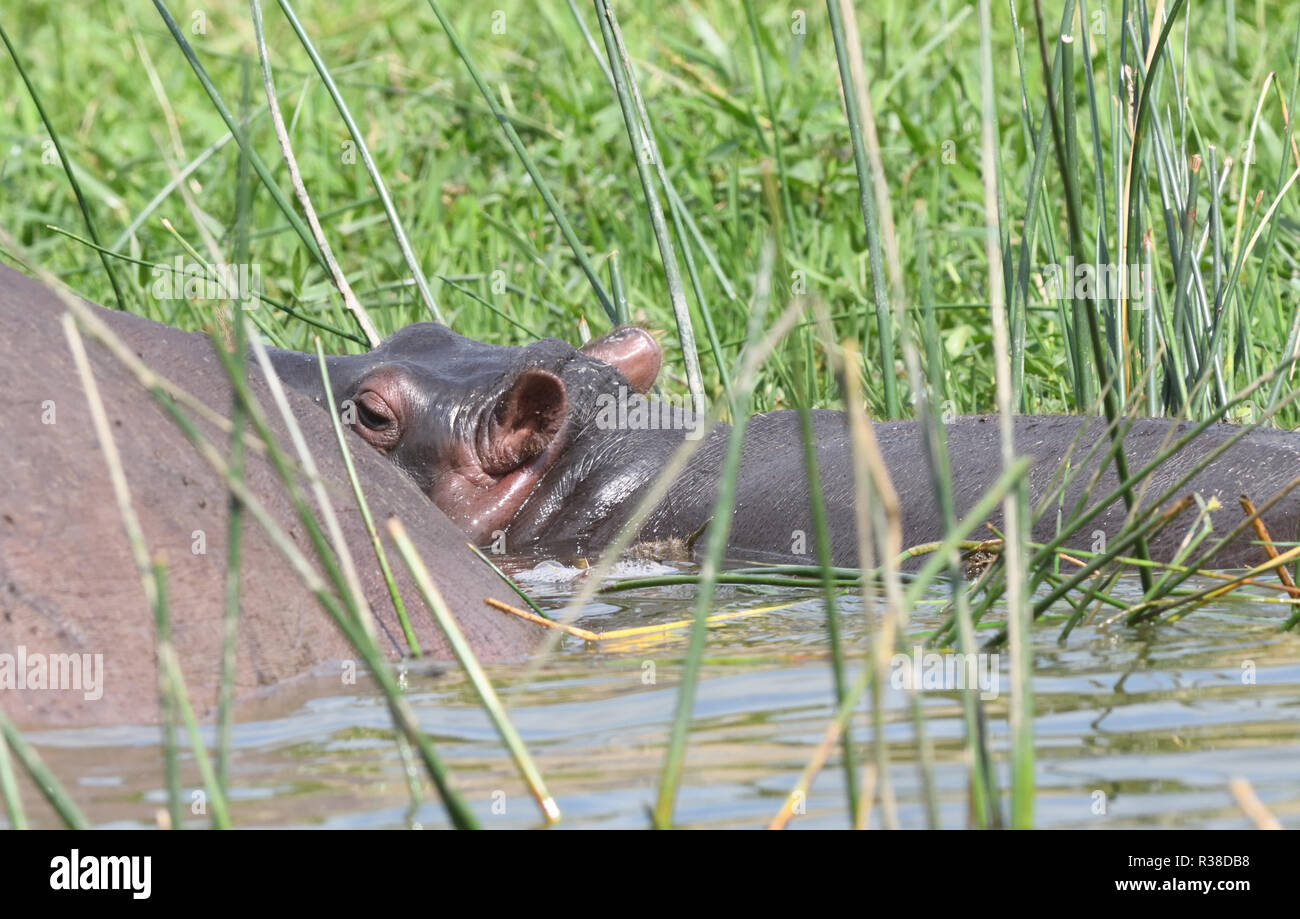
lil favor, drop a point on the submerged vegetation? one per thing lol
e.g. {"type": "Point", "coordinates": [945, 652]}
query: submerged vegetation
{"type": "Point", "coordinates": [908, 211]}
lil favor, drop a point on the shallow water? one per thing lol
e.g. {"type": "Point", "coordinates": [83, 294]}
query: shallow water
{"type": "Point", "coordinates": [1146, 724]}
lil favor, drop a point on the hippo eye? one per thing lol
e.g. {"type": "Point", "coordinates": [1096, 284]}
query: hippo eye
{"type": "Point", "coordinates": [373, 412]}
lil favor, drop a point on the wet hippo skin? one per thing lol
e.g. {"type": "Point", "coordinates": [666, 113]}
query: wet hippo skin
{"type": "Point", "coordinates": [515, 444]}
{"type": "Point", "coordinates": [67, 580]}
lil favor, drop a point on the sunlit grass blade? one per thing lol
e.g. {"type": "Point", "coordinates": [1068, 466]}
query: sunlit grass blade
{"type": "Point", "coordinates": [674, 757]}
{"type": "Point", "coordinates": [866, 200]}
{"type": "Point", "coordinates": [67, 167]}
{"type": "Point", "coordinates": [641, 136]}
{"type": "Point", "coordinates": [1014, 509]}
{"type": "Point", "coordinates": [359, 314]}
{"type": "Point", "coordinates": [173, 698]}
{"type": "Point", "coordinates": [9, 787]}
{"type": "Point", "coordinates": [381, 557]}
{"type": "Point", "coordinates": [45, 780]}
{"type": "Point", "coordinates": [482, 685]}
{"type": "Point", "coordinates": [399, 234]}
{"type": "Point", "coordinates": [1102, 360]}
{"type": "Point", "coordinates": [254, 160]}
{"type": "Point", "coordinates": [526, 159]}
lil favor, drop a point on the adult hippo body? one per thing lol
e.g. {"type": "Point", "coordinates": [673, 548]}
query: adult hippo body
{"type": "Point", "coordinates": [68, 584]}
{"type": "Point", "coordinates": [521, 443]}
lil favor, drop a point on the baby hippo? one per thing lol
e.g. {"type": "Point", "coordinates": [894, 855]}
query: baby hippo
{"type": "Point", "coordinates": [547, 449]}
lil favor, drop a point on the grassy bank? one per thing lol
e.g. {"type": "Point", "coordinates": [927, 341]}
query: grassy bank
{"type": "Point", "coordinates": [731, 100]}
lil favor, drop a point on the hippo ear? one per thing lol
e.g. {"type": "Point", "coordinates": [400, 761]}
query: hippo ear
{"type": "Point", "coordinates": [632, 351]}
{"type": "Point", "coordinates": [524, 422]}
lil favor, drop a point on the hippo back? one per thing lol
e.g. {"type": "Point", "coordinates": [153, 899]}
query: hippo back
{"type": "Point", "coordinates": [67, 580]}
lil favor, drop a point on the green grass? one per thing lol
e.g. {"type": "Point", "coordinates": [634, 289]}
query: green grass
{"type": "Point", "coordinates": [473, 216]}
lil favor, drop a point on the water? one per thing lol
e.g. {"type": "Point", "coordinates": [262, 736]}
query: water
{"type": "Point", "coordinates": [1133, 728]}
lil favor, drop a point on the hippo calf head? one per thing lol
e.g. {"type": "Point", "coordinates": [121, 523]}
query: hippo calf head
{"type": "Point", "coordinates": [477, 425]}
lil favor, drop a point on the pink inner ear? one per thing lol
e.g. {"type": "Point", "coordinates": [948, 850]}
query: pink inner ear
{"type": "Point", "coordinates": [525, 421]}
{"type": "Point", "coordinates": [632, 351]}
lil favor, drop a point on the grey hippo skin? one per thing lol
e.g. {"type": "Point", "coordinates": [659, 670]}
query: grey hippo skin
{"type": "Point", "coordinates": [67, 580]}
{"type": "Point", "coordinates": [518, 444]}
